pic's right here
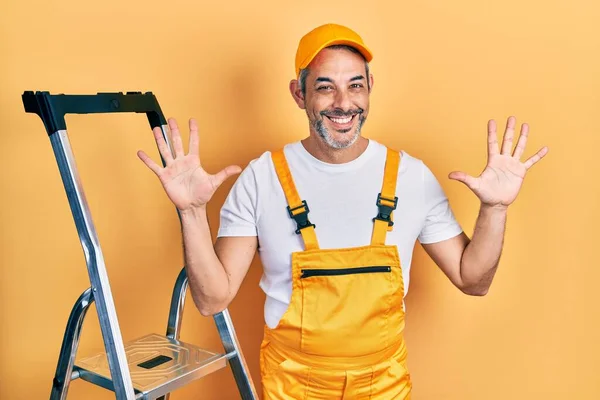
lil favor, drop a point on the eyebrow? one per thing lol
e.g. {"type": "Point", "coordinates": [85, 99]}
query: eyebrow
{"type": "Point", "coordinates": [325, 79]}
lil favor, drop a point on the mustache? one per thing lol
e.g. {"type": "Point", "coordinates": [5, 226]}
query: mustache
{"type": "Point", "coordinates": [341, 113]}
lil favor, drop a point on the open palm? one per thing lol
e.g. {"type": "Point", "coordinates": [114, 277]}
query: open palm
{"type": "Point", "coordinates": [184, 180]}
{"type": "Point", "coordinates": [501, 180]}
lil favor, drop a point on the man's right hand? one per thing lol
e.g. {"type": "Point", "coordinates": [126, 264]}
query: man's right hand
{"type": "Point", "coordinates": [186, 183]}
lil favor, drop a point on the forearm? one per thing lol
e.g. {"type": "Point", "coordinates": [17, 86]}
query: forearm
{"type": "Point", "coordinates": [482, 255]}
{"type": "Point", "coordinates": [208, 281]}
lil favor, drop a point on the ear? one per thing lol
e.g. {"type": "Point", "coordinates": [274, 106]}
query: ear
{"type": "Point", "coordinates": [296, 92]}
{"type": "Point", "coordinates": [371, 83]}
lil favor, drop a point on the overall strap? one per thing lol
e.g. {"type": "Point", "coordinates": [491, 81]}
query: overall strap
{"type": "Point", "coordinates": [297, 209]}
{"type": "Point", "coordinates": [386, 200]}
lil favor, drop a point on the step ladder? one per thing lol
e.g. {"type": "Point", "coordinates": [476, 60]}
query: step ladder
{"type": "Point", "coordinates": [151, 366]}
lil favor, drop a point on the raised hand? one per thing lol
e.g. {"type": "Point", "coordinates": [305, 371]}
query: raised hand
{"type": "Point", "coordinates": [184, 180]}
{"type": "Point", "coordinates": [500, 182]}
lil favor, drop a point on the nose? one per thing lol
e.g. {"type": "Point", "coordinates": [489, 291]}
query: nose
{"type": "Point", "coordinates": [342, 100]}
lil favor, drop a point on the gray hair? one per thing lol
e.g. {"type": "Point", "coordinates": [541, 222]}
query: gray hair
{"type": "Point", "coordinates": [304, 72]}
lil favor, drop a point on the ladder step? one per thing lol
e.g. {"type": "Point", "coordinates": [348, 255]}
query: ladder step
{"type": "Point", "coordinates": [158, 365]}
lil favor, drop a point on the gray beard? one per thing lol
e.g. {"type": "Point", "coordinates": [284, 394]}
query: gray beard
{"type": "Point", "coordinates": [320, 128]}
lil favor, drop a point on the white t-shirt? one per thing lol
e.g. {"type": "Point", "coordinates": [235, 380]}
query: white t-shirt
{"type": "Point", "coordinates": [342, 201]}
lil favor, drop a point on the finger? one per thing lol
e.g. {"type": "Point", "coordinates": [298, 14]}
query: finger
{"type": "Point", "coordinates": [492, 138]}
{"type": "Point", "coordinates": [536, 157]}
{"type": "Point", "coordinates": [467, 179]}
{"type": "Point", "coordinates": [162, 145]}
{"type": "Point", "coordinates": [176, 138]}
{"type": "Point", "coordinates": [509, 133]}
{"type": "Point", "coordinates": [194, 137]}
{"type": "Point", "coordinates": [520, 149]}
{"type": "Point", "coordinates": [149, 162]}
{"type": "Point", "coordinates": [225, 173]}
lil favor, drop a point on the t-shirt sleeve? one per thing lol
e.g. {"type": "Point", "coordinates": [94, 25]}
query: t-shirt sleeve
{"type": "Point", "coordinates": [238, 214]}
{"type": "Point", "coordinates": [440, 223]}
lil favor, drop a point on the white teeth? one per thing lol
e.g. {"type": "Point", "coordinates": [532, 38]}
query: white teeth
{"type": "Point", "coordinates": [341, 120]}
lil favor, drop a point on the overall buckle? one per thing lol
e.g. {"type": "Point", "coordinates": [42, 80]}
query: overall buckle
{"type": "Point", "coordinates": [385, 211]}
{"type": "Point", "coordinates": [301, 218]}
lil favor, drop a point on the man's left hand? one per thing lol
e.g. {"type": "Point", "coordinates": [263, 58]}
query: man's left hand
{"type": "Point", "coordinates": [500, 182]}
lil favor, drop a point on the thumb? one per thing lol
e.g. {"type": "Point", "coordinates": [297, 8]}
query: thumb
{"type": "Point", "coordinates": [225, 173]}
{"type": "Point", "coordinates": [463, 177]}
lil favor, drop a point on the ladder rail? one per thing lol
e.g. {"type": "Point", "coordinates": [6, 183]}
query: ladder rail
{"type": "Point", "coordinates": [237, 363]}
{"type": "Point", "coordinates": [68, 351]}
{"type": "Point", "coordinates": [177, 305]}
{"type": "Point", "coordinates": [176, 311]}
{"type": "Point", "coordinates": [109, 324]}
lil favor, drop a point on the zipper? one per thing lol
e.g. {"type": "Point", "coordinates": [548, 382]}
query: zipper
{"type": "Point", "coordinates": [307, 273]}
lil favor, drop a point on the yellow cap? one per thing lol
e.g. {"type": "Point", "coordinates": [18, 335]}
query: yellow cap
{"type": "Point", "coordinates": [326, 35]}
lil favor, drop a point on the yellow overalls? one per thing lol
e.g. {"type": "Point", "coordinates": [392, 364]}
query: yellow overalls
{"type": "Point", "coordinates": [342, 334]}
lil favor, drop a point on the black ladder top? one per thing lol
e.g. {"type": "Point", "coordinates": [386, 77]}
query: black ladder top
{"type": "Point", "coordinates": [52, 108]}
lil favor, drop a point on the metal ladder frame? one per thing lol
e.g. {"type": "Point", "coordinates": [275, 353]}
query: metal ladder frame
{"type": "Point", "coordinates": [52, 109]}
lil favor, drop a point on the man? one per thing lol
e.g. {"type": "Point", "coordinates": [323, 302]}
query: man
{"type": "Point", "coordinates": [335, 218]}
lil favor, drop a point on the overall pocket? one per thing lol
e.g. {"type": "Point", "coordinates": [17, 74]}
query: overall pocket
{"type": "Point", "coordinates": [345, 310]}
{"type": "Point", "coordinates": [391, 380]}
{"type": "Point", "coordinates": [285, 380]}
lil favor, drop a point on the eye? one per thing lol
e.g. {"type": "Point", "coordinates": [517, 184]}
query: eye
{"type": "Point", "coordinates": [356, 85]}
{"type": "Point", "coordinates": [324, 88]}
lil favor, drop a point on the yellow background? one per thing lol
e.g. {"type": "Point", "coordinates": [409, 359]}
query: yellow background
{"type": "Point", "coordinates": [442, 69]}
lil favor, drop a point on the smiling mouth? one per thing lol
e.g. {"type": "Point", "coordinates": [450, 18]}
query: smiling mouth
{"type": "Point", "coordinates": [342, 122]}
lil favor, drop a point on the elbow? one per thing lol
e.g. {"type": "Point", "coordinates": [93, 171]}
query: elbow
{"type": "Point", "coordinates": [209, 304]}
{"type": "Point", "coordinates": [478, 285]}
{"type": "Point", "coordinates": [477, 288]}
{"type": "Point", "coordinates": [208, 312]}
{"type": "Point", "coordinates": [210, 308]}
{"type": "Point", "coordinates": [205, 309]}
{"type": "Point", "coordinates": [477, 291]}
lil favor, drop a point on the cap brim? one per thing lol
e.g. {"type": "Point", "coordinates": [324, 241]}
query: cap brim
{"type": "Point", "coordinates": [362, 49]}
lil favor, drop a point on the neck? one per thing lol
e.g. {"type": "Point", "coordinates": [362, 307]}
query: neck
{"type": "Point", "coordinates": [323, 152]}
